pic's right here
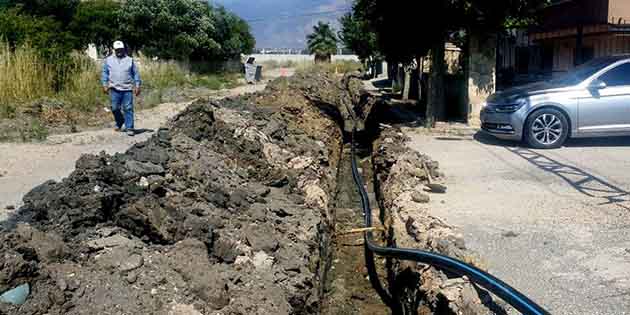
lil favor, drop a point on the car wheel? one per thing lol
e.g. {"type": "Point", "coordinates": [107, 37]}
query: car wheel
{"type": "Point", "coordinates": [546, 129]}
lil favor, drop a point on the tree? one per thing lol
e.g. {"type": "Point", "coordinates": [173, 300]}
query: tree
{"type": "Point", "coordinates": [322, 42]}
{"type": "Point", "coordinates": [60, 10]}
{"type": "Point", "coordinates": [406, 32]}
{"type": "Point", "coordinates": [184, 30]}
{"type": "Point", "coordinates": [169, 29]}
{"type": "Point", "coordinates": [96, 22]}
{"type": "Point", "coordinates": [409, 30]}
{"type": "Point", "coordinates": [43, 24]}
{"type": "Point", "coordinates": [357, 36]}
{"type": "Point", "coordinates": [43, 33]}
{"type": "Point", "coordinates": [232, 33]}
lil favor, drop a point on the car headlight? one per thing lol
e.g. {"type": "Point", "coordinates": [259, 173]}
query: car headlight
{"type": "Point", "coordinates": [512, 107]}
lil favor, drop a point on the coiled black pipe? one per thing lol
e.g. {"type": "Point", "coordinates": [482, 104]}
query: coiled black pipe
{"type": "Point", "coordinates": [510, 295]}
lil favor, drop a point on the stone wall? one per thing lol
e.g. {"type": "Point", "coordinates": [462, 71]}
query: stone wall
{"type": "Point", "coordinates": [404, 178]}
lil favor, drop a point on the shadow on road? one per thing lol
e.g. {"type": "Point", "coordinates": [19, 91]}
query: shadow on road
{"type": "Point", "coordinates": [571, 143]}
{"type": "Point", "coordinates": [599, 142]}
{"type": "Point", "coordinates": [583, 181]}
{"type": "Point", "coordinates": [383, 84]}
{"type": "Point", "coordinates": [397, 113]}
{"type": "Point", "coordinates": [141, 131]}
{"type": "Point", "coordinates": [485, 138]}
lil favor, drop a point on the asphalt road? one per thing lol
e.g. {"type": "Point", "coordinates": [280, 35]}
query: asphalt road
{"type": "Point", "coordinates": [554, 224]}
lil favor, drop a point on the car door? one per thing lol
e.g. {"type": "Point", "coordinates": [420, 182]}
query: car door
{"type": "Point", "coordinates": [607, 110]}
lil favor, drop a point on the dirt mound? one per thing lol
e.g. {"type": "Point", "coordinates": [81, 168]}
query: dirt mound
{"type": "Point", "coordinates": [345, 98]}
{"type": "Point", "coordinates": [221, 211]}
{"type": "Point", "coordinates": [406, 177]}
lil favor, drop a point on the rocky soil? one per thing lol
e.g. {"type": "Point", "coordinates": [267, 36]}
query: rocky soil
{"type": "Point", "coordinates": [404, 191]}
{"type": "Point", "coordinates": [231, 208]}
{"type": "Point", "coordinates": [223, 211]}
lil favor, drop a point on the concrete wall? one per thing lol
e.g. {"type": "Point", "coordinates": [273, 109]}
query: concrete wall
{"type": "Point", "coordinates": [482, 60]}
{"type": "Point", "coordinates": [300, 58]}
{"type": "Point", "coordinates": [619, 9]}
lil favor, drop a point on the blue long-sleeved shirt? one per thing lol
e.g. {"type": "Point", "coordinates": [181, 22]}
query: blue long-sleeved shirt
{"type": "Point", "coordinates": [120, 74]}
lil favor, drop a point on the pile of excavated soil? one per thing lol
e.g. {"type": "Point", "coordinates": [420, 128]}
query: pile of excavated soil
{"type": "Point", "coordinates": [404, 191]}
{"type": "Point", "coordinates": [221, 212]}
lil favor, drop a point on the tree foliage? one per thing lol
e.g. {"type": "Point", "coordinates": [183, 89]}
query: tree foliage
{"type": "Point", "coordinates": [232, 33]}
{"type": "Point", "coordinates": [60, 10]}
{"type": "Point", "coordinates": [405, 31]}
{"type": "Point", "coordinates": [409, 30]}
{"type": "Point", "coordinates": [357, 36]}
{"type": "Point", "coordinates": [95, 22]}
{"type": "Point", "coordinates": [322, 42]}
{"type": "Point", "coordinates": [184, 29]}
{"type": "Point", "coordinates": [169, 29]}
{"type": "Point", "coordinates": [45, 34]}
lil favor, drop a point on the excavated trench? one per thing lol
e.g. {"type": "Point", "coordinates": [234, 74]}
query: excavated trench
{"type": "Point", "coordinates": [349, 290]}
{"type": "Point", "coordinates": [397, 182]}
{"type": "Point", "coordinates": [243, 206]}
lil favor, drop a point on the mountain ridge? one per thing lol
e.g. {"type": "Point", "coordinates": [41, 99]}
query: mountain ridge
{"type": "Point", "coordinates": [285, 23]}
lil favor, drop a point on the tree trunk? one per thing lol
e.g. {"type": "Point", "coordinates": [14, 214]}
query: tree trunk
{"type": "Point", "coordinates": [420, 60]}
{"type": "Point", "coordinates": [407, 85]}
{"type": "Point", "coordinates": [435, 102]}
{"type": "Point", "coordinates": [392, 73]}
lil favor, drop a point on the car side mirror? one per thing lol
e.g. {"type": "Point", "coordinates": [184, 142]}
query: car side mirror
{"type": "Point", "coordinates": [597, 85]}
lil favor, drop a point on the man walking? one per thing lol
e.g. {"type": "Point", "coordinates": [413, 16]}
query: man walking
{"type": "Point", "coordinates": [121, 79]}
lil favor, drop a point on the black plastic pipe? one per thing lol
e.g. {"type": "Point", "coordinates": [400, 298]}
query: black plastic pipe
{"type": "Point", "coordinates": [510, 295]}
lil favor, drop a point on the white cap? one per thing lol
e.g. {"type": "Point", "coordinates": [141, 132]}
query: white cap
{"type": "Point", "coordinates": [119, 45]}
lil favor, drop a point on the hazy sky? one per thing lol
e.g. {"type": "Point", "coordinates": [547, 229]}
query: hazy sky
{"type": "Point", "coordinates": [285, 23]}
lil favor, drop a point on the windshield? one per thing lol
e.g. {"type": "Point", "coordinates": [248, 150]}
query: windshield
{"type": "Point", "coordinates": [583, 72]}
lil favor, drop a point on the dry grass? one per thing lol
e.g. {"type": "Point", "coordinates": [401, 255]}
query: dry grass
{"type": "Point", "coordinates": [69, 93]}
{"type": "Point", "coordinates": [25, 78]}
{"type": "Point", "coordinates": [82, 88]}
{"type": "Point", "coordinates": [162, 74]}
{"type": "Point", "coordinates": [165, 74]}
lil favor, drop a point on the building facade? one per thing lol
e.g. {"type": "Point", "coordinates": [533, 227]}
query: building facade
{"type": "Point", "coordinates": [570, 33]}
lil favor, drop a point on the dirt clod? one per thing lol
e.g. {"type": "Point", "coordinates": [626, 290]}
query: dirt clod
{"type": "Point", "coordinates": [220, 211]}
{"type": "Point", "coordinates": [403, 175]}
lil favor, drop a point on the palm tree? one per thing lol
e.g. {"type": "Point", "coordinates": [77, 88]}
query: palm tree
{"type": "Point", "coordinates": [322, 42]}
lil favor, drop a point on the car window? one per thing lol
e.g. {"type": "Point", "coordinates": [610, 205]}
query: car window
{"type": "Point", "coordinates": [618, 76]}
{"type": "Point", "coordinates": [583, 72]}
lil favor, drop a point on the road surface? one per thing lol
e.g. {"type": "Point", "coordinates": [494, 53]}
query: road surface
{"type": "Point", "coordinates": [554, 224]}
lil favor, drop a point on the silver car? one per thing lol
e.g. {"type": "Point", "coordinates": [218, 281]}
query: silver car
{"type": "Point", "coordinates": [593, 100]}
